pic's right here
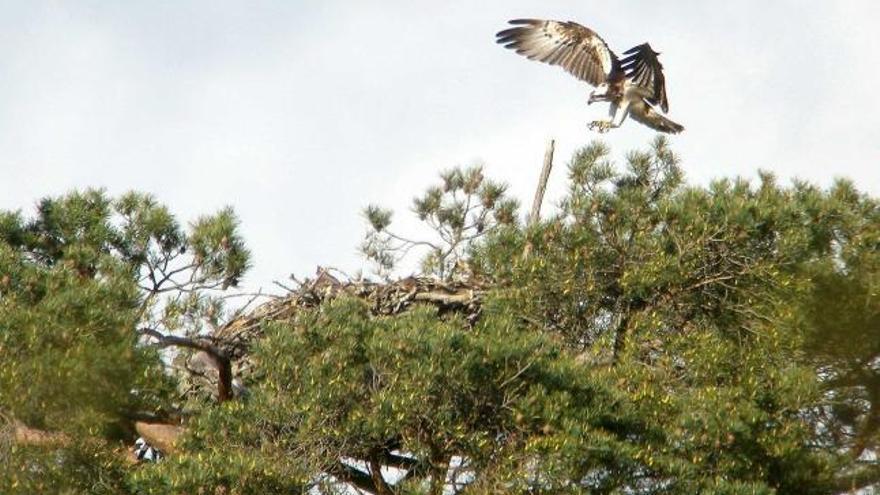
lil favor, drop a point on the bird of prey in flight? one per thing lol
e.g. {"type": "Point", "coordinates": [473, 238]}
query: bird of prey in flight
{"type": "Point", "coordinates": [633, 85]}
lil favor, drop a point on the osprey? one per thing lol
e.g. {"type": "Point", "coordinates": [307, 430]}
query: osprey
{"type": "Point", "coordinates": [633, 85]}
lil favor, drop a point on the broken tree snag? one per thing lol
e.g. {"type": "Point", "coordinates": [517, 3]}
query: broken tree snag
{"type": "Point", "coordinates": [160, 435]}
{"type": "Point", "coordinates": [535, 214]}
{"type": "Point", "coordinates": [218, 357]}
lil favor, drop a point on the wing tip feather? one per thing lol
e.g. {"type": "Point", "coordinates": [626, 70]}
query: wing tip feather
{"type": "Point", "coordinates": [525, 22]}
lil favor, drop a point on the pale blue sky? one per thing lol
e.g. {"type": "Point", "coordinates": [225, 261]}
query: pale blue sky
{"type": "Point", "coordinates": [300, 113]}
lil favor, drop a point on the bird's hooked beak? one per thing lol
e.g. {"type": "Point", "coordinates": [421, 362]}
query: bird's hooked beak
{"type": "Point", "coordinates": [592, 98]}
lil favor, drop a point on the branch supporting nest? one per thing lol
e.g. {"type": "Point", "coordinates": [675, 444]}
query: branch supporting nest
{"type": "Point", "coordinates": [218, 357]}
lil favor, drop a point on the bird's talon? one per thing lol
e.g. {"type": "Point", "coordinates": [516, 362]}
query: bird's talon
{"type": "Point", "coordinates": [599, 126]}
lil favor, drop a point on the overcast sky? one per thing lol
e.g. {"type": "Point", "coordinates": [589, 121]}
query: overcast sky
{"type": "Point", "coordinates": [299, 113]}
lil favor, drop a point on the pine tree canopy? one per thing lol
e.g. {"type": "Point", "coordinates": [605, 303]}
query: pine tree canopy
{"type": "Point", "coordinates": [649, 336]}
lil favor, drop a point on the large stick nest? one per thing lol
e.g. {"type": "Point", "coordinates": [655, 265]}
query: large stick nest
{"type": "Point", "coordinates": [384, 298]}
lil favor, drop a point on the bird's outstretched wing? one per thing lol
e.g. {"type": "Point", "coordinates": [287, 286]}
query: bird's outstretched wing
{"type": "Point", "coordinates": [569, 45]}
{"type": "Point", "coordinates": [641, 66]}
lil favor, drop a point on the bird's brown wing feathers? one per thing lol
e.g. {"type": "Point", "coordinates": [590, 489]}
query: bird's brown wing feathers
{"type": "Point", "coordinates": [642, 67]}
{"type": "Point", "coordinates": [569, 45]}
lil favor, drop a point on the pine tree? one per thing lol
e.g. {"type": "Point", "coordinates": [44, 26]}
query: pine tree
{"type": "Point", "coordinates": [650, 337]}
{"type": "Point", "coordinates": [80, 281]}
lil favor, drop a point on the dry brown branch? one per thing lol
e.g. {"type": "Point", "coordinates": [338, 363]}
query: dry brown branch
{"type": "Point", "coordinates": [445, 299]}
{"type": "Point", "coordinates": [25, 435]}
{"type": "Point", "coordinates": [218, 357]}
{"type": "Point", "coordinates": [535, 213]}
{"type": "Point", "coordinates": [355, 477]}
{"type": "Point", "coordinates": [382, 487]}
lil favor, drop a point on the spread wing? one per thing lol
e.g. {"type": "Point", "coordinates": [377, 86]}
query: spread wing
{"type": "Point", "coordinates": [569, 45]}
{"type": "Point", "coordinates": [642, 67]}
